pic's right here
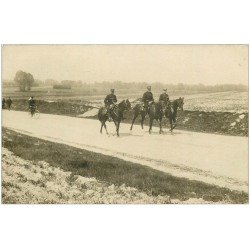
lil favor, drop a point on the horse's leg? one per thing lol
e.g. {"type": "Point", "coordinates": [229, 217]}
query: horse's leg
{"type": "Point", "coordinates": [171, 123]}
{"type": "Point", "coordinates": [174, 120]}
{"type": "Point", "coordinates": [133, 121]}
{"type": "Point", "coordinates": [104, 124]}
{"type": "Point", "coordinates": [150, 124]}
{"type": "Point", "coordinates": [160, 122]}
{"type": "Point", "coordinates": [117, 128]}
{"type": "Point", "coordinates": [115, 124]}
{"type": "Point", "coordinates": [142, 120]}
{"type": "Point", "coordinates": [174, 126]}
{"type": "Point", "coordinates": [101, 128]}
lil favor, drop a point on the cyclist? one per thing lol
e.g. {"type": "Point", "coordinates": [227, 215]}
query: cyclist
{"type": "Point", "coordinates": [32, 105]}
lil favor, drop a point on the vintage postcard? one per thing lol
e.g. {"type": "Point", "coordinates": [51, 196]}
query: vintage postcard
{"type": "Point", "coordinates": [125, 124]}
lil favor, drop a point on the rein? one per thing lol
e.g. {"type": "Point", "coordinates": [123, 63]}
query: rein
{"type": "Point", "coordinates": [119, 108]}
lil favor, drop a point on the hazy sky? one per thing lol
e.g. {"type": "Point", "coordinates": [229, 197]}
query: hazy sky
{"type": "Point", "coordinates": [207, 64]}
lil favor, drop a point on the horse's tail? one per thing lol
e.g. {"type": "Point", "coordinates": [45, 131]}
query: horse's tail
{"type": "Point", "coordinates": [99, 115]}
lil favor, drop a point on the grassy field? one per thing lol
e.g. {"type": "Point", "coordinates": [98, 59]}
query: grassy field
{"type": "Point", "coordinates": [115, 171]}
{"type": "Point", "coordinates": [26, 182]}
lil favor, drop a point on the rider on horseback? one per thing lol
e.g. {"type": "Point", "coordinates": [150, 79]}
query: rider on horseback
{"type": "Point", "coordinates": [147, 98]}
{"type": "Point", "coordinates": [110, 101]}
{"type": "Point", "coordinates": [164, 99]}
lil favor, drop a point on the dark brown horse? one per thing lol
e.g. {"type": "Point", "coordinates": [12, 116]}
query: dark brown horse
{"type": "Point", "coordinates": [116, 115]}
{"type": "Point", "coordinates": [171, 111]}
{"type": "Point", "coordinates": [139, 110]}
{"type": "Point", "coordinates": [157, 111]}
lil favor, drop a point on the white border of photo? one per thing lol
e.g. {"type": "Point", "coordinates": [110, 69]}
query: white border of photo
{"type": "Point", "coordinates": [128, 226]}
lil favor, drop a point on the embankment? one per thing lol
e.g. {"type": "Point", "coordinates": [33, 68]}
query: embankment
{"type": "Point", "coordinates": [229, 123]}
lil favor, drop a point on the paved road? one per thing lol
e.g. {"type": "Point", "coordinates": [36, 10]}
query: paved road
{"type": "Point", "coordinates": [216, 159]}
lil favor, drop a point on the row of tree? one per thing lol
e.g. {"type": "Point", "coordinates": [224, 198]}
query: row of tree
{"type": "Point", "coordinates": [26, 80]}
{"type": "Point", "coordinates": [157, 86]}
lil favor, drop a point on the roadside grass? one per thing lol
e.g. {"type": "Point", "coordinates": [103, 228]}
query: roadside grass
{"type": "Point", "coordinates": [115, 171]}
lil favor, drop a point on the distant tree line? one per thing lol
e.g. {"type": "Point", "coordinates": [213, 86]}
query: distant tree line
{"type": "Point", "coordinates": [61, 86]}
{"type": "Point", "coordinates": [65, 84]}
{"type": "Point", "coordinates": [25, 81]}
{"type": "Point", "coordinates": [157, 86]}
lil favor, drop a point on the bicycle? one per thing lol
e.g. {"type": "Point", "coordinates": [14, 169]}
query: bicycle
{"type": "Point", "coordinates": [33, 112]}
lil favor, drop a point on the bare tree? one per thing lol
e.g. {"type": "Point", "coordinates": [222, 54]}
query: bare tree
{"type": "Point", "coordinates": [24, 80]}
{"type": "Point", "coordinates": [30, 81]}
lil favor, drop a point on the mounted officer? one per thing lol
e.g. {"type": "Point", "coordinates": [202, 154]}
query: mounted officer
{"type": "Point", "coordinates": [147, 98]}
{"type": "Point", "coordinates": [110, 102]}
{"type": "Point", "coordinates": [164, 100]}
{"type": "Point", "coordinates": [164, 97]}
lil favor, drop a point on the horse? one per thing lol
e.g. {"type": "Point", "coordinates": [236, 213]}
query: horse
{"type": "Point", "coordinates": [171, 111]}
{"type": "Point", "coordinates": [156, 111]}
{"type": "Point", "coordinates": [116, 114]}
{"type": "Point", "coordinates": [138, 110]}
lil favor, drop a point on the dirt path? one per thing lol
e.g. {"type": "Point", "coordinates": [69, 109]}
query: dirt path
{"type": "Point", "coordinates": [215, 159]}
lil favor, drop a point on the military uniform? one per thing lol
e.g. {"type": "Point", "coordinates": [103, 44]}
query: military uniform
{"type": "Point", "coordinates": [163, 101]}
{"type": "Point", "coordinates": [109, 101]}
{"type": "Point", "coordinates": [146, 98]}
{"type": "Point", "coordinates": [164, 98]}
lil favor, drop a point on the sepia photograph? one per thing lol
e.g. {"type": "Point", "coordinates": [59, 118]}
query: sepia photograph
{"type": "Point", "coordinates": [125, 124]}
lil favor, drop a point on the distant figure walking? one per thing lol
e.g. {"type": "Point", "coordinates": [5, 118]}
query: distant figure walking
{"type": "Point", "coordinates": [9, 103]}
{"type": "Point", "coordinates": [3, 103]}
{"type": "Point", "coordinates": [110, 102]}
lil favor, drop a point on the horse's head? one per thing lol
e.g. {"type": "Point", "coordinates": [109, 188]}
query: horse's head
{"type": "Point", "coordinates": [180, 103]}
{"type": "Point", "coordinates": [127, 104]}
